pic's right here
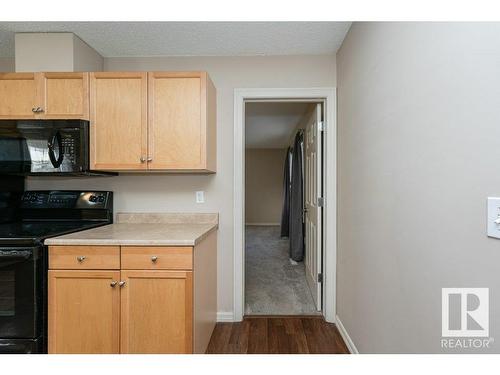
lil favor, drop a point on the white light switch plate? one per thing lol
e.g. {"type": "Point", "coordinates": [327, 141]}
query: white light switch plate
{"type": "Point", "coordinates": [200, 197]}
{"type": "Point", "coordinates": [493, 214]}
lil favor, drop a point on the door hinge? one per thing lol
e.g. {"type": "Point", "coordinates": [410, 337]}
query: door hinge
{"type": "Point", "coordinates": [320, 277]}
{"type": "Point", "coordinates": [321, 126]}
{"type": "Point", "coordinates": [321, 202]}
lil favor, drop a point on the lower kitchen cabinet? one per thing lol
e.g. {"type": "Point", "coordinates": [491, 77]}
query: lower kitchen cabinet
{"type": "Point", "coordinates": [84, 312]}
{"type": "Point", "coordinates": [156, 312]}
{"type": "Point", "coordinates": [157, 300]}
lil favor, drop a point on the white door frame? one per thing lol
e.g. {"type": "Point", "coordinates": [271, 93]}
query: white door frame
{"type": "Point", "coordinates": [328, 95]}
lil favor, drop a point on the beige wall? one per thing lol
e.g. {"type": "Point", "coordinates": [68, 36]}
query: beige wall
{"type": "Point", "coordinates": [54, 52]}
{"type": "Point", "coordinates": [418, 152]}
{"type": "Point", "coordinates": [177, 192]}
{"type": "Point", "coordinates": [7, 64]}
{"type": "Point", "coordinates": [85, 58]}
{"type": "Point", "coordinates": [42, 52]}
{"type": "Point", "coordinates": [264, 185]}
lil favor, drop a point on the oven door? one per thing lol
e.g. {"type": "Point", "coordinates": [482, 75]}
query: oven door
{"type": "Point", "coordinates": [21, 292]}
{"type": "Point", "coordinates": [43, 146]}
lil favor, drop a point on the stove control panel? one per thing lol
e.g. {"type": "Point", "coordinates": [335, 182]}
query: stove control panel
{"type": "Point", "coordinates": [67, 199]}
{"type": "Point", "coordinates": [95, 199]}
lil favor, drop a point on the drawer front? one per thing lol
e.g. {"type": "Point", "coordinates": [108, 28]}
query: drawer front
{"type": "Point", "coordinates": [157, 258]}
{"type": "Point", "coordinates": [84, 257]}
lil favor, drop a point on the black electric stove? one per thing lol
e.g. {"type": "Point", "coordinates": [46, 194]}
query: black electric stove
{"type": "Point", "coordinates": [26, 220]}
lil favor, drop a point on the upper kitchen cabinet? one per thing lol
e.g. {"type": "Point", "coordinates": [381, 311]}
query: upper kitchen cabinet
{"type": "Point", "coordinates": [118, 113]}
{"type": "Point", "coordinates": [64, 95]}
{"type": "Point", "coordinates": [44, 96]}
{"type": "Point", "coordinates": [182, 122]}
{"type": "Point", "coordinates": [18, 99]}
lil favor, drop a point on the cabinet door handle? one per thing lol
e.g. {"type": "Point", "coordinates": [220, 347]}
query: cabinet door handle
{"type": "Point", "coordinates": [154, 258]}
{"type": "Point", "coordinates": [150, 159]}
{"type": "Point", "coordinates": [142, 159]}
{"type": "Point", "coordinates": [80, 258]}
{"type": "Point", "coordinates": [113, 284]}
{"type": "Point", "coordinates": [122, 284]}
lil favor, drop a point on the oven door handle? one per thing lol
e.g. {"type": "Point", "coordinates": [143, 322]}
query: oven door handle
{"type": "Point", "coordinates": [51, 145]}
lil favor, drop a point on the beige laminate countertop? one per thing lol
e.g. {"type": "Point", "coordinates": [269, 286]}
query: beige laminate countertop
{"type": "Point", "coordinates": [156, 233]}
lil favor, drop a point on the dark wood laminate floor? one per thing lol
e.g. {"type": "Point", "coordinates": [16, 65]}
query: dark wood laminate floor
{"type": "Point", "coordinates": [277, 335]}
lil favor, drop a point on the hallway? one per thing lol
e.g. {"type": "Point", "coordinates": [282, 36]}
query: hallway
{"type": "Point", "coordinates": [273, 286]}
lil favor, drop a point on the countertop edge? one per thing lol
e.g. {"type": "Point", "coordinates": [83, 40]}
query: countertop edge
{"type": "Point", "coordinates": [55, 241]}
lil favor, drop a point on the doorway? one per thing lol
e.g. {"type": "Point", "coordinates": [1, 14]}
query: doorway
{"type": "Point", "coordinates": [283, 180]}
{"type": "Point", "coordinates": [263, 237]}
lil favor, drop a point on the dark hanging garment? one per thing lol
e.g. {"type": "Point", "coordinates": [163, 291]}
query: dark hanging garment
{"type": "Point", "coordinates": [285, 212]}
{"type": "Point", "coordinates": [297, 201]}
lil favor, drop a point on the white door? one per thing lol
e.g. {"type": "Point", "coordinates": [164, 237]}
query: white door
{"type": "Point", "coordinates": [313, 211]}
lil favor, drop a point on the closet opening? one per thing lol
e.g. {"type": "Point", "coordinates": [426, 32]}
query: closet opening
{"type": "Point", "coordinates": [283, 207]}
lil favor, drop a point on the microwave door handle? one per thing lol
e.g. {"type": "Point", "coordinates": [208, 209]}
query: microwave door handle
{"type": "Point", "coordinates": [51, 145]}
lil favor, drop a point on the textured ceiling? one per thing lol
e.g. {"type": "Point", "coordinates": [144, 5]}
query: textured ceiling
{"type": "Point", "coordinates": [271, 124]}
{"type": "Point", "coordinates": [112, 39]}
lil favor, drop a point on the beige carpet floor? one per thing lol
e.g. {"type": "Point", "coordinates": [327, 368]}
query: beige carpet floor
{"type": "Point", "coordinates": [273, 286]}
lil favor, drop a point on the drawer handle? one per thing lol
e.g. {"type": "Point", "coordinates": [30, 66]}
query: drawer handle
{"type": "Point", "coordinates": [154, 258]}
{"type": "Point", "coordinates": [81, 258]}
{"type": "Point", "coordinates": [122, 284]}
{"type": "Point", "coordinates": [113, 284]}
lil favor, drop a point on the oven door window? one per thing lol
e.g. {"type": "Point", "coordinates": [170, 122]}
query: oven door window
{"type": "Point", "coordinates": [7, 293]}
{"type": "Point", "coordinates": [20, 292]}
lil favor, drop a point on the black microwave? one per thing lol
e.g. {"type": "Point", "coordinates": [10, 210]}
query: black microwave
{"type": "Point", "coordinates": [45, 147]}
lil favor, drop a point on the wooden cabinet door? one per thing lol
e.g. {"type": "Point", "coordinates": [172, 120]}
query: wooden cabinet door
{"type": "Point", "coordinates": [84, 312]}
{"type": "Point", "coordinates": [176, 129]}
{"type": "Point", "coordinates": [64, 95]}
{"type": "Point", "coordinates": [156, 312]}
{"type": "Point", "coordinates": [18, 95]}
{"type": "Point", "coordinates": [118, 113]}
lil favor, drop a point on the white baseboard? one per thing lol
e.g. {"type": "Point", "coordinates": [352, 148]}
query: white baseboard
{"type": "Point", "coordinates": [263, 224]}
{"type": "Point", "coordinates": [347, 339]}
{"type": "Point", "coordinates": [225, 316]}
